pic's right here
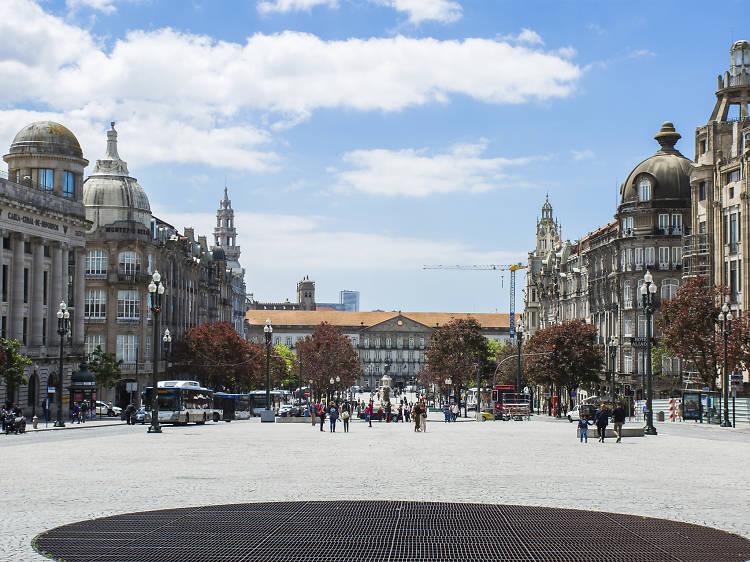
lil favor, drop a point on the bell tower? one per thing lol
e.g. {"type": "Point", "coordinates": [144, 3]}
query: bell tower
{"type": "Point", "coordinates": [225, 234]}
{"type": "Point", "coordinates": [547, 230]}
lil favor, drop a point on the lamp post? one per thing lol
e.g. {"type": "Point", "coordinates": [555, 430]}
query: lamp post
{"type": "Point", "coordinates": [338, 397]}
{"type": "Point", "coordinates": [299, 377]}
{"type": "Point", "coordinates": [310, 382]}
{"type": "Point", "coordinates": [156, 290]}
{"type": "Point", "coordinates": [268, 331]}
{"type": "Point", "coordinates": [519, 341]}
{"type": "Point", "coordinates": [648, 290]}
{"type": "Point", "coordinates": [63, 326]}
{"type": "Point", "coordinates": [613, 358]}
{"type": "Point", "coordinates": [448, 384]}
{"type": "Point", "coordinates": [167, 342]}
{"type": "Point", "coordinates": [725, 323]}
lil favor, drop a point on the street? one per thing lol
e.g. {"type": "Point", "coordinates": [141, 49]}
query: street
{"type": "Point", "coordinates": [58, 477]}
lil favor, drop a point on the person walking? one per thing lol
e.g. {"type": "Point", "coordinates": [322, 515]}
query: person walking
{"type": "Point", "coordinates": [618, 417]}
{"type": "Point", "coordinates": [407, 411]}
{"type": "Point", "coordinates": [583, 429]}
{"type": "Point", "coordinates": [423, 416]}
{"type": "Point", "coordinates": [313, 412]}
{"type": "Point", "coordinates": [84, 410]}
{"type": "Point", "coordinates": [380, 414]}
{"type": "Point", "coordinates": [76, 417]}
{"type": "Point", "coordinates": [454, 412]}
{"type": "Point", "coordinates": [345, 415]}
{"type": "Point", "coordinates": [333, 415]}
{"type": "Point", "coordinates": [446, 413]}
{"type": "Point", "coordinates": [602, 421]}
{"type": "Point", "coordinates": [416, 413]}
{"type": "Point", "coordinates": [368, 414]}
{"type": "Point", "coordinates": [321, 415]}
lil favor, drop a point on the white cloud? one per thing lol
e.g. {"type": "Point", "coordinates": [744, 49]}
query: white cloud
{"type": "Point", "coordinates": [284, 6]}
{"type": "Point", "coordinates": [525, 36]}
{"type": "Point", "coordinates": [418, 11]}
{"type": "Point", "coordinates": [303, 243]}
{"type": "Point", "coordinates": [582, 154]}
{"type": "Point", "coordinates": [419, 173]}
{"type": "Point", "coordinates": [185, 97]}
{"type": "Point", "coordinates": [106, 6]}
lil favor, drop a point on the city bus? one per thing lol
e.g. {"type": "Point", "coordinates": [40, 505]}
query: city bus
{"type": "Point", "coordinates": [182, 402]}
{"type": "Point", "coordinates": [258, 400]}
{"type": "Point", "coordinates": [233, 406]}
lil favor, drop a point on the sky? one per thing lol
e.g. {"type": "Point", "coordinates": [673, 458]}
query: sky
{"type": "Point", "coordinates": [362, 139]}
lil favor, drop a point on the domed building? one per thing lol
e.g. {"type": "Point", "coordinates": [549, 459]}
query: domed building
{"type": "Point", "coordinates": [43, 225]}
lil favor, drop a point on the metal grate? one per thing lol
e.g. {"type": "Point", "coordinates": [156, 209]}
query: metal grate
{"type": "Point", "coordinates": [349, 531]}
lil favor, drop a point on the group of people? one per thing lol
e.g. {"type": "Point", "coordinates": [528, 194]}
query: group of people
{"type": "Point", "coordinates": [405, 412]}
{"type": "Point", "coordinates": [79, 412]}
{"type": "Point", "coordinates": [601, 421]}
{"type": "Point", "coordinates": [9, 408]}
{"type": "Point", "coordinates": [319, 411]}
{"type": "Point", "coordinates": [450, 411]}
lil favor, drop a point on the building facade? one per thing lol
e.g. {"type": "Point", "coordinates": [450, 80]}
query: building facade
{"type": "Point", "coordinates": [225, 239]}
{"type": "Point", "coordinates": [399, 338]}
{"type": "Point", "coordinates": [43, 224]}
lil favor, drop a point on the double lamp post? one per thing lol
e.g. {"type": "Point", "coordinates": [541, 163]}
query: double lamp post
{"type": "Point", "coordinates": [725, 324]}
{"type": "Point", "coordinates": [648, 293]}
{"type": "Point", "coordinates": [156, 290]}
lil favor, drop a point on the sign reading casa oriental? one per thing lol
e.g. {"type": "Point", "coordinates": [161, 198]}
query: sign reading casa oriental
{"type": "Point", "coordinates": [39, 223]}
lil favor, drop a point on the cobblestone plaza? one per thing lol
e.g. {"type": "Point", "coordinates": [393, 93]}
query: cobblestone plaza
{"type": "Point", "coordinates": [56, 477]}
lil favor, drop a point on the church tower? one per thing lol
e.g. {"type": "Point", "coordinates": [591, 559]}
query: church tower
{"type": "Point", "coordinates": [225, 234]}
{"type": "Point", "coordinates": [306, 294]}
{"type": "Point", "coordinates": [547, 230]}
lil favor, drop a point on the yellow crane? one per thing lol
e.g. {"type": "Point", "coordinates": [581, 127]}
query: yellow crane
{"type": "Point", "coordinates": [493, 267]}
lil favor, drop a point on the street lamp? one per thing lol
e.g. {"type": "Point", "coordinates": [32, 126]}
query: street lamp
{"type": "Point", "coordinates": [63, 326]}
{"type": "Point", "coordinates": [725, 322]}
{"type": "Point", "coordinates": [519, 340]}
{"type": "Point", "coordinates": [648, 290]}
{"type": "Point", "coordinates": [156, 290]}
{"type": "Point", "coordinates": [331, 391]}
{"type": "Point", "coordinates": [338, 392]}
{"type": "Point", "coordinates": [268, 331]}
{"type": "Point", "coordinates": [167, 341]}
{"type": "Point", "coordinates": [311, 391]}
{"type": "Point", "coordinates": [613, 357]}
{"type": "Point", "coordinates": [448, 384]}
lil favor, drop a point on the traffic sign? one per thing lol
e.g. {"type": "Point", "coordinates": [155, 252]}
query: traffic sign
{"type": "Point", "coordinates": [737, 378]}
{"type": "Point", "coordinates": [50, 390]}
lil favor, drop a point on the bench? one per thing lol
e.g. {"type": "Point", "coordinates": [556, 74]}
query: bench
{"type": "Point", "coordinates": [626, 431]}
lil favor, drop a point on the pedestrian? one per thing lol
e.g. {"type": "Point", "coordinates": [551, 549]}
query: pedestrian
{"type": "Point", "coordinates": [388, 412]}
{"type": "Point", "coordinates": [618, 416]}
{"type": "Point", "coordinates": [602, 420]}
{"type": "Point", "coordinates": [321, 415]}
{"type": "Point", "coordinates": [380, 414]}
{"type": "Point", "coordinates": [446, 413]}
{"type": "Point", "coordinates": [84, 410]}
{"type": "Point", "coordinates": [368, 414]}
{"type": "Point", "coordinates": [129, 414]}
{"type": "Point", "coordinates": [454, 412]}
{"type": "Point", "coordinates": [583, 429]}
{"type": "Point", "coordinates": [345, 415]}
{"type": "Point", "coordinates": [416, 413]}
{"type": "Point", "coordinates": [333, 415]}
{"type": "Point", "coordinates": [680, 412]}
{"type": "Point", "coordinates": [407, 412]}
{"type": "Point", "coordinates": [400, 413]}
{"type": "Point", "coordinates": [313, 411]}
{"type": "Point", "coordinates": [423, 416]}
{"type": "Point", "coordinates": [76, 417]}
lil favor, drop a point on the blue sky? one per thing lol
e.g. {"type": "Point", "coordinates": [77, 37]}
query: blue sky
{"type": "Point", "coordinates": [361, 139]}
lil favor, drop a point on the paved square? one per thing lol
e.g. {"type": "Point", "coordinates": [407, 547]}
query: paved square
{"type": "Point", "coordinates": [686, 473]}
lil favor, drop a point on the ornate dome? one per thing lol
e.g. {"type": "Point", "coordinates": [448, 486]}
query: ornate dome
{"type": "Point", "coordinates": [46, 137]}
{"type": "Point", "coordinates": [110, 194]}
{"type": "Point", "coordinates": [667, 170]}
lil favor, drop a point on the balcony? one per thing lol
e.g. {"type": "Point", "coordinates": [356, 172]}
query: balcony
{"type": "Point", "coordinates": [131, 277]}
{"type": "Point", "coordinates": [694, 245]}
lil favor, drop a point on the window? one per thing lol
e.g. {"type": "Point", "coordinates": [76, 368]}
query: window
{"type": "Point", "coordinates": [627, 361]}
{"type": "Point", "coordinates": [45, 283]}
{"type": "Point", "coordinates": [128, 304]}
{"type": "Point", "coordinates": [421, 343]}
{"type": "Point", "coordinates": [377, 342]}
{"type": "Point", "coordinates": [127, 348]}
{"type": "Point", "coordinates": [733, 277]}
{"type": "Point", "coordinates": [96, 304]}
{"type": "Point", "coordinates": [733, 228]}
{"type": "Point", "coordinates": [641, 363]}
{"type": "Point", "coordinates": [702, 191]}
{"type": "Point", "coordinates": [663, 257]}
{"type": "Point", "coordinates": [149, 356]}
{"type": "Point", "coordinates": [388, 343]}
{"type": "Point", "coordinates": [702, 228]}
{"type": "Point", "coordinates": [622, 260]}
{"type": "Point", "coordinates": [644, 190]}
{"type": "Point", "coordinates": [629, 257]}
{"type": "Point", "coordinates": [676, 224]}
{"type": "Point", "coordinates": [44, 330]}
{"type": "Point", "coordinates": [25, 331]}
{"type": "Point", "coordinates": [411, 343]}
{"type": "Point", "coordinates": [289, 341]}
{"type": "Point", "coordinates": [668, 289]}
{"type": "Point", "coordinates": [128, 263]}
{"type": "Point", "coordinates": [96, 263]}
{"type": "Point", "coordinates": [733, 176]}
{"type": "Point", "coordinates": [664, 223]}
{"type": "Point", "coordinates": [43, 178]}
{"type": "Point", "coordinates": [638, 257]}
{"type": "Point", "coordinates": [627, 226]}
{"type": "Point", "coordinates": [25, 284]}
{"type": "Point", "coordinates": [405, 354]}
{"type": "Point", "coordinates": [90, 343]}
{"type": "Point", "coordinates": [702, 146]}
{"type": "Point", "coordinates": [367, 342]}
{"type": "Point", "coordinates": [677, 255]}
{"type": "Point", "coordinates": [627, 294]}
{"type": "Point", "coordinates": [69, 185]}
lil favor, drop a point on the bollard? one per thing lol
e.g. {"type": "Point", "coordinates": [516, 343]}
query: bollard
{"type": "Point", "coordinates": [35, 422]}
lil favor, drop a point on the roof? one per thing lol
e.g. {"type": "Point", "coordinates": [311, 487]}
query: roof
{"type": "Point", "coordinates": [367, 319]}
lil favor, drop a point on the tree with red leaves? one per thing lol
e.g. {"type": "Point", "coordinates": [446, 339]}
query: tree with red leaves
{"type": "Point", "coordinates": [456, 350]}
{"type": "Point", "coordinates": [564, 356]}
{"type": "Point", "coordinates": [328, 354]}
{"type": "Point", "coordinates": [689, 328]}
{"type": "Point", "coordinates": [220, 358]}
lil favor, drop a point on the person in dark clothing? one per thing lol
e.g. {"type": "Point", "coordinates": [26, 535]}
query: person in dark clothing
{"type": "Point", "coordinates": [601, 421]}
{"type": "Point", "coordinates": [583, 429]}
{"type": "Point", "coordinates": [129, 414]}
{"type": "Point", "coordinates": [333, 415]}
{"type": "Point", "coordinates": [346, 413]}
{"type": "Point", "coordinates": [321, 415]}
{"type": "Point", "coordinates": [618, 417]}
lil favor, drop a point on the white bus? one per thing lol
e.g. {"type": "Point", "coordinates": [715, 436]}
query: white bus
{"type": "Point", "coordinates": [182, 402]}
{"type": "Point", "coordinates": [258, 400]}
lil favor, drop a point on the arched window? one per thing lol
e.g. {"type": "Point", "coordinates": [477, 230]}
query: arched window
{"type": "Point", "coordinates": [627, 295]}
{"type": "Point", "coordinates": [127, 263]}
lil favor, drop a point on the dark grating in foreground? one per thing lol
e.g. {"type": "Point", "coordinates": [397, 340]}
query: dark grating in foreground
{"type": "Point", "coordinates": [371, 531]}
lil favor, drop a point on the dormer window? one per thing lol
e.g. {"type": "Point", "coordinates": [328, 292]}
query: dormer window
{"type": "Point", "coordinates": [644, 190]}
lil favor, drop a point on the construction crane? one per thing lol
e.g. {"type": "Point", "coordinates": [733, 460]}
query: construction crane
{"type": "Point", "coordinates": [492, 267]}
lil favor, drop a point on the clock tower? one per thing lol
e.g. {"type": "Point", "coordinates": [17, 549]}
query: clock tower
{"type": "Point", "coordinates": [547, 230]}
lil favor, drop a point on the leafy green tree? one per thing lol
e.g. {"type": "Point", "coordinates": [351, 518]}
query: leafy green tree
{"type": "Point", "coordinates": [506, 364]}
{"type": "Point", "coordinates": [328, 354]}
{"type": "Point", "coordinates": [105, 367]}
{"type": "Point", "coordinates": [12, 366]}
{"type": "Point", "coordinates": [284, 366]}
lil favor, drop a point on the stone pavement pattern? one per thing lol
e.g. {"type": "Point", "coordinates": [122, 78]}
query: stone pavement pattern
{"type": "Point", "coordinates": [66, 476]}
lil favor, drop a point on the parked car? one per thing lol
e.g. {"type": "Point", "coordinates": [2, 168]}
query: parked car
{"type": "Point", "coordinates": [289, 411]}
{"type": "Point", "coordinates": [104, 409]}
{"type": "Point", "coordinates": [575, 414]}
{"type": "Point", "coordinates": [142, 416]}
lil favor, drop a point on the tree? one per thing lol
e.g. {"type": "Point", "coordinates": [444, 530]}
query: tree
{"type": "Point", "coordinates": [456, 351]}
{"type": "Point", "coordinates": [565, 356]}
{"type": "Point", "coordinates": [12, 366]}
{"type": "Point", "coordinates": [328, 354]}
{"type": "Point", "coordinates": [506, 364]}
{"type": "Point", "coordinates": [105, 367]}
{"type": "Point", "coordinates": [689, 330]}
{"type": "Point", "coordinates": [283, 366]}
{"type": "Point", "coordinates": [217, 356]}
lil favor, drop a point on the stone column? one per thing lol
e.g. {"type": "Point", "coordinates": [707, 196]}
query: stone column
{"type": "Point", "coordinates": [16, 299]}
{"type": "Point", "coordinates": [64, 273]}
{"type": "Point", "coordinates": [78, 290]}
{"type": "Point", "coordinates": [55, 284]}
{"type": "Point", "coordinates": [37, 292]}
